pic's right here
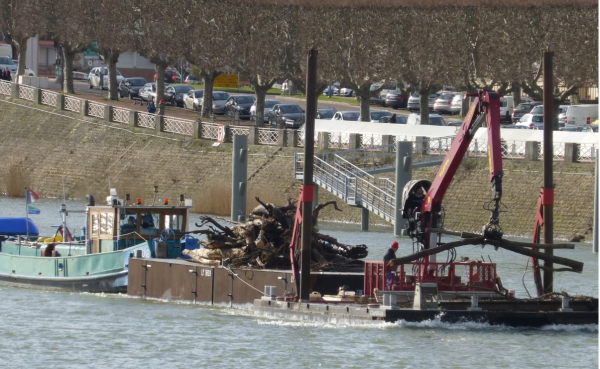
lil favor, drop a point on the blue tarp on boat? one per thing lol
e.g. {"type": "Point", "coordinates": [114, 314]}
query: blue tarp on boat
{"type": "Point", "coordinates": [17, 226]}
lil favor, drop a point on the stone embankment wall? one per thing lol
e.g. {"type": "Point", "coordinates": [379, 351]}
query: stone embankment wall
{"type": "Point", "coordinates": [49, 144]}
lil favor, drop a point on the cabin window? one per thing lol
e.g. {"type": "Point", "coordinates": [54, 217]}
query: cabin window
{"type": "Point", "coordinates": [95, 224]}
{"type": "Point", "coordinates": [149, 224]}
{"type": "Point", "coordinates": [106, 223]}
{"type": "Point", "coordinates": [129, 223]}
{"type": "Point", "coordinates": [175, 222]}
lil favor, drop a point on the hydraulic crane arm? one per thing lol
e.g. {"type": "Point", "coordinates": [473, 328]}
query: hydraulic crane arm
{"type": "Point", "coordinates": [486, 106]}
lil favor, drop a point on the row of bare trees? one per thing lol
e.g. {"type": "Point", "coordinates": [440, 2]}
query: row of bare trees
{"type": "Point", "coordinates": [421, 47]}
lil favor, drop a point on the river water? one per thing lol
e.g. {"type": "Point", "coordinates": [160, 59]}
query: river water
{"type": "Point", "coordinates": [73, 330]}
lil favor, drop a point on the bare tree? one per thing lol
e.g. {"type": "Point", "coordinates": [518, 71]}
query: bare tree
{"type": "Point", "coordinates": [110, 26]}
{"type": "Point", "coordinates": [19, 20]}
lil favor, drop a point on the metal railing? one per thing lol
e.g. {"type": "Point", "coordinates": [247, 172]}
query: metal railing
{"type": "Point", "coordinates": [210, 131]}
{"type": "Point", "coordinates": [120, 115]}
{"type": "Point", "coordinates": [146, 120]}
{"type": "Point", "coordinates": [96, 109]}
{"type": "Point", "coordinates": [239, 131]}
{"type": "Point", "coordinates": [49, 98]}
{"type": "Point", "coordinates": [5, 88]}
{"type": "Point", "coordinates": [181, 126]}
{"type": "Point", "coordinates": [73, 103]}
{"type": "Point", "coordinates": [268, 136]}
{"type": "Point", "coordinates": [26, 93]}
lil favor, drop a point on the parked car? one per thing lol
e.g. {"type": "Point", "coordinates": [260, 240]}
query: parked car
{"type": "Point", "coordinates": [434, 120]}
{"type": "Point", "coordinates": [346, 92]}
{"type": "Point", "coordinates": [325, 113]}
{"type": "Point", "coordinates": [191, 100]}
{"type": "Point", "coordinates": [443, 104]}
{"type": "Point", "coordinates": [538, 109]}
{"type": "Point", "coordinates": [336, 91]}
{"type": "Point", "coordinates": [6, 62]}
{"type": "Point", "coordinates": [455, 123]}
{"type": "Point", "coordinates": [350, 115]}
{"type": "Point", "coordinates": [130, 87]}
{"type": "Point", "coordinates": [378, 114]}
{"type": "Point", "coordinates": [80, 76]}
{"type": "Point", "coordinates": [94, 77]}
{"type": "Point", "coordinates": [149, 90]}
{"type": "Point", "coordinates": [456, 105]}
{"type": "Point", "coordinates": [219, 98]}
{"type": "Point", "coordinates": [28, 72]}
{"type": "Point", "coordinates": [522, 109]}
{"type": "Point", "coordinates": [171, 76]}
{"type": "Point", "coordinates": [289, 115]}
{"type": "Point", "coordinates": [400, 119]}
{"type": "Point", "coordinates": [180, 92]}
{"type": "Point", "coordinates": [191, 80]}
{"type": "Point", "coordinates": [375, 95]}
{"type": "Point", "coordinates": [415, 105]}
{"type": "Point", "coordinates": [239, 105]}
{"type": "Point", "coordinates": [269, 104]}
{"type": "Point", "coordinates": [387, 89]}
{"type": "Point", "coordinates": [396, 100]}
{"type": "Point", "coordinates": [533, 121]}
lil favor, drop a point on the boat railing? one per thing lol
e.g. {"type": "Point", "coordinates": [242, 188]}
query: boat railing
{"type": "Point", "coordinates": [129, 239]}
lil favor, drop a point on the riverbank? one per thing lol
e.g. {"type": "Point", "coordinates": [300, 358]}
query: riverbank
{"type": "Point", "coordinates": [47, 145]}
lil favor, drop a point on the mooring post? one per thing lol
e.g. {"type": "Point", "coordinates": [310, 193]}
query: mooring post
{"type": "Point", "coordinates": [548, 197]}
{"type": "Point", "coordinates": [364, 219]}
{"type": "Point", "coordinates": [596, 204]}
{"type": "Point", "coordinates": [307, 182]}
{"type": "Point", "coordinates": [239, 178]}
{"type": "Point", "coordinates": [404, 151]}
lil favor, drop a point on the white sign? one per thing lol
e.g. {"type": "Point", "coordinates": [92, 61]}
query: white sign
{"type": "Point", "coordinates": [221, 133]}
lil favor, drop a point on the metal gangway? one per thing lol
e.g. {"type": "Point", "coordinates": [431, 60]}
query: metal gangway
{"type": "Point", "coordinates": [350, 174]}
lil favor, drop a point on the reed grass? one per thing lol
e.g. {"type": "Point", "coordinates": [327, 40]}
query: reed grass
{"type": "Point", "coordinates": [15, 180]}
{"type": "Point", "coordinates": [215, 198]}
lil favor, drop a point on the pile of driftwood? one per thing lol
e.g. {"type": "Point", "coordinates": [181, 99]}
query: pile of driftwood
{"type": "Point", "coordinates": [264, 240]}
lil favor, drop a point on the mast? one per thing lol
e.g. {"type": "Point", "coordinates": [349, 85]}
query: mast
{"type": "Point", "coordinates": [548, 190]}
{"type": "Point", "coordinates": [307, 183]}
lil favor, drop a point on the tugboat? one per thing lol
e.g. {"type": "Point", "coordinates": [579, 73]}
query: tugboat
{"type": "Point", "coordinates": [98, 261]}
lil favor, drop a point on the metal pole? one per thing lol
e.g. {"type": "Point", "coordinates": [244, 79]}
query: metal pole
{"type": "Point", "coordinates": [364, 219]}
{"type": "Point", "coordinates": [596, 204]}
{"type": "Point", "coordinates": [403, 176]}
{"type": "Point", "coordinates": [307, 183]}
{"type": "Point", "coordinates": [548, 197]}
{"type": "Point", "coordinates": [239, 177]}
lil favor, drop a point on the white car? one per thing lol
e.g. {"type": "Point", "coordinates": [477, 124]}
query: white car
{"type": "Point", "coordinates": [351, 115]}
{"type": "Point", "coordinates": [346, 92]}
{"type": "Point", "coordinates": [269, 104]}
{"type": "Point", "coordinates": [94, 77]}
{"type": "Point", "coordinates": [28, 72]}
{"type": "Point", "coordinates": [443, 104]}
{"type": "Point", "coordinates": [192, 99]}
{"type": "Point", "coordinates": [434, 120]}
{"type": "Point", "coordinates": [456, 105]}
{"type": "Point", "coordinates": [532, 121]}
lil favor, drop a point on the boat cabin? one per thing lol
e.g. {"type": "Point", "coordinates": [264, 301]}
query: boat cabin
{"type": "Point", "coordinates": [116, 227]}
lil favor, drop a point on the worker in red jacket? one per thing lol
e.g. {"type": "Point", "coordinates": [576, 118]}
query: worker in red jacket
{"type": "Point", "coordinates": [390, 255]}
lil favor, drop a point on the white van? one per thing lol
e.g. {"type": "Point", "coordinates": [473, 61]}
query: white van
{"type": "Point", "coordinates": [581, 115]}
{"type": "Point", "coordinates": [507, 105]}
{"type": "Point", "coordinates": [6, 50]}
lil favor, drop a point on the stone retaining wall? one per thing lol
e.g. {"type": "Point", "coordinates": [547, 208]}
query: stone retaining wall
{"type": "Point", "coordinates": [49, 143]}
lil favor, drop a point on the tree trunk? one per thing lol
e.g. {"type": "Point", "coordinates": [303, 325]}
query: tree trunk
{"type": "Point", "coordinates": [261, 92]}
{"type": "Point", "coordinates": [424, 105]}
{"type": "Point", "coordinates": [207, 102]}
{"type": "Point", "coordinates": [363, 94]}
{"type": "Point", "coordinates": [68, 56]}
{"type": "Point", "coordinates": [113, 92]}
{"type": "Point", "coordinates": [22, 50]}
{"type": "Point", "coordinates": [160, 81]}
{"type": "Point", "coordinates": [516, 94]}
{"type": "Point", "coordinates": [261, 86]}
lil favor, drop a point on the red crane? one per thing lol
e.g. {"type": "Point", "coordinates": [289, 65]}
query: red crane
{"type": "Point", "coordinates": [485, 107]}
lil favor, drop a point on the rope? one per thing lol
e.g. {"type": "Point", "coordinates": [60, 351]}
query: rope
{"type": "Point", "coordinates": [243, 281]}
